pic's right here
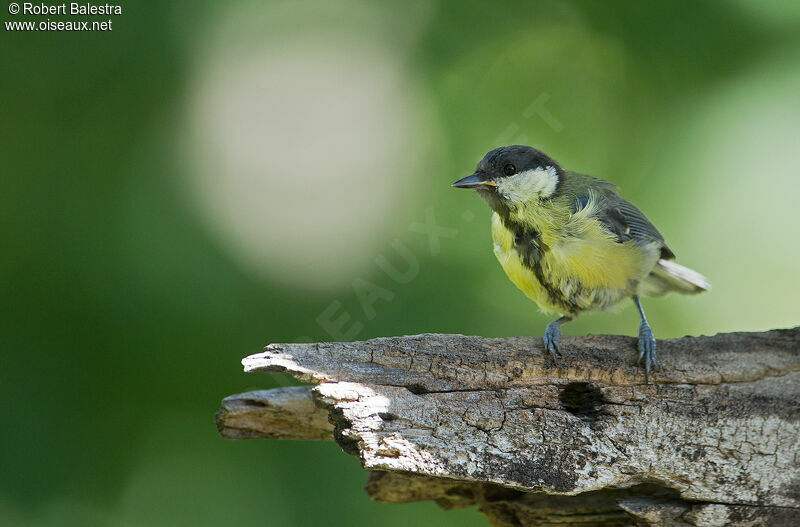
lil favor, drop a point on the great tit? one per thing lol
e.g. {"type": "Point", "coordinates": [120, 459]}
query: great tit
{"type": "Point", "coordinates": [572, 244]}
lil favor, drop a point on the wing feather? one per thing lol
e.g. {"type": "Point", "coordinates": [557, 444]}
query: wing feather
{"type": "Point", "coordinates": [619, 216]}
{"type": "Point", "coordinates": [640, 228]}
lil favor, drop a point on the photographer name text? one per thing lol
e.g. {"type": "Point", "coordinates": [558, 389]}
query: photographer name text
{"type": "Point", "coordinates": [74, 8]}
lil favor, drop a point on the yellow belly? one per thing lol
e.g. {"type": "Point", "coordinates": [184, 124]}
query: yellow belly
{"type": "Point", "coordinates": [587, 272]}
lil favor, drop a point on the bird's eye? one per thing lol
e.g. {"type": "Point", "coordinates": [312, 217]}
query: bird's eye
{"type": "Point", "coordinates": [509, 169]}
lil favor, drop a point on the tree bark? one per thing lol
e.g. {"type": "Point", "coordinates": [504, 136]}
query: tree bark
{"type": "Point", "coordinates": [714, 439]}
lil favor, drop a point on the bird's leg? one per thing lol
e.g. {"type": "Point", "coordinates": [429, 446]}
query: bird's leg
{"type": "Point", "coordinates": [552, 335]}
{"type": "Point", "coordinates": [647, 342]}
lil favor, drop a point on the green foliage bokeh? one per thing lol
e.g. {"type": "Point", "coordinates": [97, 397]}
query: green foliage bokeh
{"type": "Point", "coordinates": [124, 318]}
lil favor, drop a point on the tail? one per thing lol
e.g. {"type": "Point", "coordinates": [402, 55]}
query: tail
{"type": "Point", "coordinates": [668, 276]}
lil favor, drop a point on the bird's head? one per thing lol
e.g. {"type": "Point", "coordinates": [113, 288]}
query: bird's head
{"type": "Point", "coordinates": [512, 175]}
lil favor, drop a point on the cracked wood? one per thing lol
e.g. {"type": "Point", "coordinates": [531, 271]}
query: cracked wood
{"type": "Point", "coordinates": [718, 425]}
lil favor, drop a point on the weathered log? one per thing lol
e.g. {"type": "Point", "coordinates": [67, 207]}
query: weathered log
{"type": "Point", "coordinates": [714, 439]}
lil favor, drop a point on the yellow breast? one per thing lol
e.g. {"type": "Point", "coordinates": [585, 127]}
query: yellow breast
{"type": "Point", "coordinates": [583, 265]}
{"type": "Point", "coordinates": [520, 275]}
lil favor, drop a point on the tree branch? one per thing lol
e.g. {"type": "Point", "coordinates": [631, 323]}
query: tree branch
{"type": "Point", "coordinates": [713, 440]}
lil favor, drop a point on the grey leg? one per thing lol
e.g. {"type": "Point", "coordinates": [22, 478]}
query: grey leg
{"type": "Point", "coordinates": [552, 335]}
{"type": "Point", "coordinates": [647, 342]}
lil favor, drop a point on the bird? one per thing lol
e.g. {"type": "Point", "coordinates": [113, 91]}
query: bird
{"type": "Point", "coordinates": [571, 244]}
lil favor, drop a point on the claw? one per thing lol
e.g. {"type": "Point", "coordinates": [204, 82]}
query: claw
{"type": "Point", "coordinates": [551, 337]}
{"type": "Point", "coordinates": [647, 343]}
{"type": "Point", "coordinates": [647, 349]}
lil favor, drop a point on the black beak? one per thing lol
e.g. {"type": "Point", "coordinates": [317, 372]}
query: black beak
{"type": "Point", "coordinates": [473, 181]}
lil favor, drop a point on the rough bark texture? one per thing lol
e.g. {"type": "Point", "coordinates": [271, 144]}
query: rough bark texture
{"type": "Point", "coordinates": [280, 413]}
{"type": "Point", "coordinates": [714, 439]}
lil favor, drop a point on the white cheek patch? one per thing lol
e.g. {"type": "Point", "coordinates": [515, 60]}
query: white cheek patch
{"type": "Point", "coordinates": [529, 184]}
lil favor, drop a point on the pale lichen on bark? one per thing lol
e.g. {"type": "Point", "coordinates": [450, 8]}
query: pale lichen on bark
{"type": "Point", "coordinates": [714, 437]}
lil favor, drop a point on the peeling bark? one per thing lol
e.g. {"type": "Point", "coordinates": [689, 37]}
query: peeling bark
{"type": "Point", "coordinates": [714, 439]}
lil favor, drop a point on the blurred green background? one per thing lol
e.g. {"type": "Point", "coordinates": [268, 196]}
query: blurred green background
{"type": "Point", "coordinates": [208, 178]}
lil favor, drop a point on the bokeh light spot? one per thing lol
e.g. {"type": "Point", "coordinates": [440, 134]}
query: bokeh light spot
{"type": "Point", "coordinates": [299, 154]}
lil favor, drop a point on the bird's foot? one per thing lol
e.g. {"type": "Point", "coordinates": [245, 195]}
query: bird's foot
{"type": "Point", "coordinates": [647, 349]}
{"type": "Point", "coordinates": [551, 338]}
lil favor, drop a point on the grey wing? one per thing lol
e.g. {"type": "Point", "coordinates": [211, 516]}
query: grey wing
{"type": "Point", "coordinates": [619, 216]}
{"type": "Point", "coordinates": [629, 223]}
